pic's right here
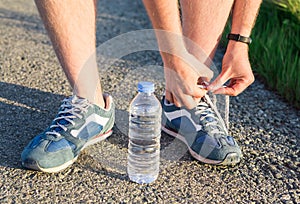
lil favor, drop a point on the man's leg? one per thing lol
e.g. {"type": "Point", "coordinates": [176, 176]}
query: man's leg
{"type": "Point", "coordinates": [179, 65]}
{"type": "Point", "coordinates": [71, 26]}
{"type": "Point", "coordinates": [203, 22]}
{"type": "Point", "coordinates": [200, 128]}
{"type": "Point", "coordinates": [81, 121]}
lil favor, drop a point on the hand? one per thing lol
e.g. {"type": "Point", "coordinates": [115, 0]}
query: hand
{"type": "Point", "coordinates": [237, 68]}
{"type": "Point", "coordinates": [182, 80]}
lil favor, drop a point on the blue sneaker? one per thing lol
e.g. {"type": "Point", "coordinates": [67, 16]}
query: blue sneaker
{"type": "Point", "coordinates": [203, 131]}
{"type": "Point", "coordinates": [77, 125]}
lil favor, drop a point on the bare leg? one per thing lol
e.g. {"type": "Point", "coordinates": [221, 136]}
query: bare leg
{"type": "Point", "coordinates": [203, 23]}
{"type": "Point", "coordinates": [164, 15]}
{"type": "Point", "coordinates": [71, 26]}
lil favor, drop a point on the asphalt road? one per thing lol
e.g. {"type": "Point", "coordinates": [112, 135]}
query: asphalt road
{"type": "Point", "coordinates": [32, 86]}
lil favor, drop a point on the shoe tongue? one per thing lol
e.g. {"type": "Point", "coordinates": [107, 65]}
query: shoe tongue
{"type": "Point", "coordinates": [72, 100]}
{"type": "Point", "coordinates": [206, 114]}
{"type": "Point", "coordinates": [211, 115]}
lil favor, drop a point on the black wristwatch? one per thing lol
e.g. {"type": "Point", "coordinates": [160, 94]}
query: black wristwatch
{"type": "Point", "coordinates": [239, 38]}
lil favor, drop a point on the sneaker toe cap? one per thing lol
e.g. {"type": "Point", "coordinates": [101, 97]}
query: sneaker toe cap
{"type": "Point", "coordinates": [37, 157]}
{"type": "Point", "coordinates": [217, 150]}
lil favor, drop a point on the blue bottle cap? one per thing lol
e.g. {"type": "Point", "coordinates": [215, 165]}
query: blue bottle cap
{"type": "Point", "coordinates": [145, 87]}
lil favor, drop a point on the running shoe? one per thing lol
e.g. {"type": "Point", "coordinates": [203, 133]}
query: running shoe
{"type": "Point", "coordinates": [77, 125]}
{"type": "Point", "coordinates": [203, 131]}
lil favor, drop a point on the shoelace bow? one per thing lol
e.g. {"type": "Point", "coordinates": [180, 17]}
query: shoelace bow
{"type": "Point", "coordinates": [212, 121]}
{"type": "Point", "coordinates": [71, 108]}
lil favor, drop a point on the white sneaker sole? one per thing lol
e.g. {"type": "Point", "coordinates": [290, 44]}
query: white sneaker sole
{"type": "Point", "coordinates": [230, 159]}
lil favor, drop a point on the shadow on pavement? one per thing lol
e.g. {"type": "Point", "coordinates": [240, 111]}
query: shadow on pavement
{"type": "Point", "coordinates": [24, 112]}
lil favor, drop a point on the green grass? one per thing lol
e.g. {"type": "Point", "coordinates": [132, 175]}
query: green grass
{"type": "Point", "coordinates": [275, 51]}
{"type": "Point", "coordinates": [289, 6]}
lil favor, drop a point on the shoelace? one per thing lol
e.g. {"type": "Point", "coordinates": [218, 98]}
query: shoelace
{"type": "Point", "coordinates": [208, 113]}
{"type": "Point", "coordinates": [71, 108]}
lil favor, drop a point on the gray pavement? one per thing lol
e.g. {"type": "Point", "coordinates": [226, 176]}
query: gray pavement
{"type": "Point", "coordinates": [32, 86]}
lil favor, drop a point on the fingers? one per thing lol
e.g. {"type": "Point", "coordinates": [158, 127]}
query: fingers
{"type": "Point", "coordinates": [203, 81]}
{"type": "Point", "coordinates": [190, 98]}
{"type": "Point", "coordinates": [169, 96]}
{"type": "Point", "coordinates": [238, 83]}
{"type": "Point", "coordinates": [231, 91]}
{"type": "Point", "coordinates": [197, 92]}
{"type": "Point", "coordinates": [186, 101]}
{"type": "Point", "coordinates": [182, 99]}
{"type": "Point", "coordinates": [235, 87]}
{"type": "Point", "coordinates": [218, 82]}
{"type": "Point", "coordinates": [172, 99]}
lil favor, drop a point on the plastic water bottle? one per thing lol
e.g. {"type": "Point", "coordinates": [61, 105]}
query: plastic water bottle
{"type": "Point", "coordinates": [144, 135]}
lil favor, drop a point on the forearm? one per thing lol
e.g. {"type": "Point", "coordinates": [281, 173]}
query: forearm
{"type": "Point", "coordinates": [244, 15]}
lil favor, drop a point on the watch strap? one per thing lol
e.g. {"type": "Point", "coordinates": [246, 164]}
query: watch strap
{"type": "Point", "coordinates": [239, 38]}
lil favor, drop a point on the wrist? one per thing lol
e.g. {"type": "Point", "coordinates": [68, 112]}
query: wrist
{"type": "Point", "coordinates": [237, 46]}
{"type": "Point", "coordinates": [239, 38]}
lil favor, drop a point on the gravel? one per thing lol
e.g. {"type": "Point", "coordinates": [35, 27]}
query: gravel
{"type": "Point", "coordinates": [32, 86]}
